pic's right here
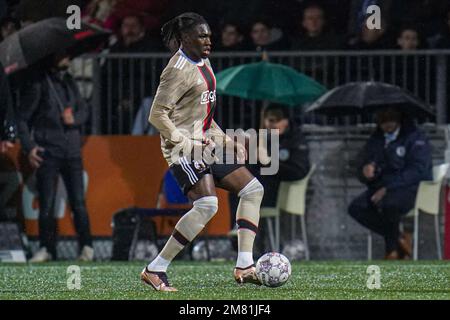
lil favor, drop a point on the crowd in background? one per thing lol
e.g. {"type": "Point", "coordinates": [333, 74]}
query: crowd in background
{"type": "Point", "coordinates": [255, 24]}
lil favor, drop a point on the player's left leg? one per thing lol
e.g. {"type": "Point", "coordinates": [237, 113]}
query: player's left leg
{"type": "Point", "coordinates": [250, 192]}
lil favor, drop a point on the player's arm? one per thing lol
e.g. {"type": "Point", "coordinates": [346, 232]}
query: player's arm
{"type": "Point", "coordinates": [218, 134]}
{"type": "Point", "coordinates": [170, 90]}
{"type": "Point", "coordinates": [228, 141]}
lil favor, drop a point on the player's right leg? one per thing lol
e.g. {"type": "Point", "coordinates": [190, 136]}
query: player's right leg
{"type": "Point", "coordinates": [239, 180]}
{"type": "Point", "coordinates": [202, 192]}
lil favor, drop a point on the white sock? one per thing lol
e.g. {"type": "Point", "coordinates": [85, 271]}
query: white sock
{"type": "Point", "coordinates": [244, 259]}
{"type": "Point", "coordinates": [159, 264]}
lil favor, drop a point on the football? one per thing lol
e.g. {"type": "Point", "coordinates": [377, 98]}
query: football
{"type": "Point", "coordinates": [273, 269]}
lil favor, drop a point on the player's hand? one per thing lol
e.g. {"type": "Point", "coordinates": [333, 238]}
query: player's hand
{"type": "Point", "coordinates": [241, 152]}
{"type": "Point", "coordinates": [34, 158]}
{"type": "Point", "coordinates": [369, 171]}
{"type": "Point", "coordinates": [208, 154]}
{"type": "Point", "coordinates": [378, 196]}
{"type": "Point", "coordinates": [5, 145]}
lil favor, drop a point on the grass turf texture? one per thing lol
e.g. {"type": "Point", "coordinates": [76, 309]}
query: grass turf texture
{"type": "Point", "coordinates": [213, 280]}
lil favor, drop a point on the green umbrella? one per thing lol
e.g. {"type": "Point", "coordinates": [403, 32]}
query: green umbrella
{"type": "Point", "coordinates": [268, 81]}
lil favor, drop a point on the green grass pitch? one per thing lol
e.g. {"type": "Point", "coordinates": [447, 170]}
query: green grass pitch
{"type": "Point", "coordinates": [213, 280]}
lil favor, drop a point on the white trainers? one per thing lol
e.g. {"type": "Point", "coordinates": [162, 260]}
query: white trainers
{"type": "Point", "coordinates": [42, 255]}
{"type": "Point", "coordinates": [87, 254]}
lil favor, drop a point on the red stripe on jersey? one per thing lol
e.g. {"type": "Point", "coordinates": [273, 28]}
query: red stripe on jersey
{"type": "Point", "coordinates": [211, 112]}
{"type": "Point", "coordinates": [213, 77]}
{"type": "Point", "coordinates": [211, 87]}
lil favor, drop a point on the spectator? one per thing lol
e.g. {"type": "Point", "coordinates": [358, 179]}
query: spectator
{"type": "Point", "coordinates": [52, 109]}
{"type": "Point", "coordinates": [125, 77]}
{"type": "Point", "coordinates": [232, 38]}
{"type": "Point", "coordinates": [409, 38]}
{"type": "Point", "coordinates": [358, 13]}
{"type": "Point", "coordinates": [132, 37]}
{"type": "Point", "coordinates": [315, 36]}
{"type": "Point", "coordinates": [372, 39]}
{"type": "Point", "coordinates": [363, 68]}
{"type": "Point", "coordinates": [394, 161]}
{"type": "Point", "coordinates": [265, 37]}
{"type": "Point", "coordinates": [150, 12]}
{"type": "Point", "coordinates": [7, 27]}
{"type": "Point", "coordinates": [410, 72]}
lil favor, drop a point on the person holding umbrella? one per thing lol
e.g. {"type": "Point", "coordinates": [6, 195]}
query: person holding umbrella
{"type": "Point", "coordinates": [52, 108]}
{"type": "Point", "coordinates": [49, 115]}
{"type": "Point", "coordinates": [394, 161]}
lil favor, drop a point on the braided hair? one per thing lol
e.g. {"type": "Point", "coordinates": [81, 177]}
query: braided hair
{"type": "Point", "coordinates": [171, 31]}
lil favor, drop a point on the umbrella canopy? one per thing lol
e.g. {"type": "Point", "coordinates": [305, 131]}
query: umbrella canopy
{"type": "Point", "coordinates": [46, 37]}
{"type": "Point", "coordinates": [268, 81]}
{"type": "Point", "coordinates": [367, 97]}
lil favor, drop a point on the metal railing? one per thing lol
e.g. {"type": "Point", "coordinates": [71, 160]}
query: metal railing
{"type": "Point", "coordinates": [116, 85]}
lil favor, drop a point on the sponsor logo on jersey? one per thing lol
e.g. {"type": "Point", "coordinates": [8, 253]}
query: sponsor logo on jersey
{"type": "Point", "coordinates": [208, 96]}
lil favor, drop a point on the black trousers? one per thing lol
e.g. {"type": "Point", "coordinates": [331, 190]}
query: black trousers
{"type": "Point", "coordinates": [71, 170]}
{"type": "Point", "coordinates": [384, 218]}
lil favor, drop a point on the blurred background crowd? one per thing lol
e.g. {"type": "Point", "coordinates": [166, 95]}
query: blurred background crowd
{"type": "Point", "coordinates": [255, 24]}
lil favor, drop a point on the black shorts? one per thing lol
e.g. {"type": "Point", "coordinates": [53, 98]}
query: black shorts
{"type": "Point", "coordinates": [189, 172]}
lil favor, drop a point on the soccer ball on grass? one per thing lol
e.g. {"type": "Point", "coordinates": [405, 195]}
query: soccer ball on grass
{"type": "Point", "coordinates": [273, 269]}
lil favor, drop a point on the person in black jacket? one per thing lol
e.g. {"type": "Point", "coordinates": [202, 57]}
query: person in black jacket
{"type": "Point", "coordinates": [394, 161]}
{"type": "Point", "coordinates": [50, 106]}
{"type": "Point", "coordinates": [293, 153]}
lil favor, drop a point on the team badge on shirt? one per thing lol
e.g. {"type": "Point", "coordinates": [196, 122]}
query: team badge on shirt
{"type": "Point", "coordinates": [284, 154]}
{"type": "Point", "coordinates": [400, 151]}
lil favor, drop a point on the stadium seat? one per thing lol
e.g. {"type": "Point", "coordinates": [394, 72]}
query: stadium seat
{"type": "Point", "coordinates": [291, 199]}
{"type": "Point", "coordinates": [428, 200]}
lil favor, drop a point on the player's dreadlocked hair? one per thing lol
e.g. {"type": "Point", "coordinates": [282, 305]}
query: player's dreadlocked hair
{"type": "Point", "coordinates": [172, 30]}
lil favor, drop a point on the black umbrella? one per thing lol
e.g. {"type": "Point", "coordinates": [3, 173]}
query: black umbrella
{"type": "Point", "coordinates": [367, 97]}
{"type": "Point", "coordinates": [41, 39]}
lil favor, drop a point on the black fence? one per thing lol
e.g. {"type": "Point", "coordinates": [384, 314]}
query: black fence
{"type": "Point", "coordinates": [120, 87]}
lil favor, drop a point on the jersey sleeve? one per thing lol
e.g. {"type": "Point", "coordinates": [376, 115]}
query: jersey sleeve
{"type": "Point", "coordinates": [171, 88]}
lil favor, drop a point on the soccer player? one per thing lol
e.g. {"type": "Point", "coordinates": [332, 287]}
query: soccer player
{"type": "Point", "coordinates": [183, 108]}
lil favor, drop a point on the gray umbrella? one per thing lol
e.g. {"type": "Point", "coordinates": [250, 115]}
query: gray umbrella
{"type": "Point", "coordinates": [41, 39]}
{"type": "Point", "coordinates": [367, 97]}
